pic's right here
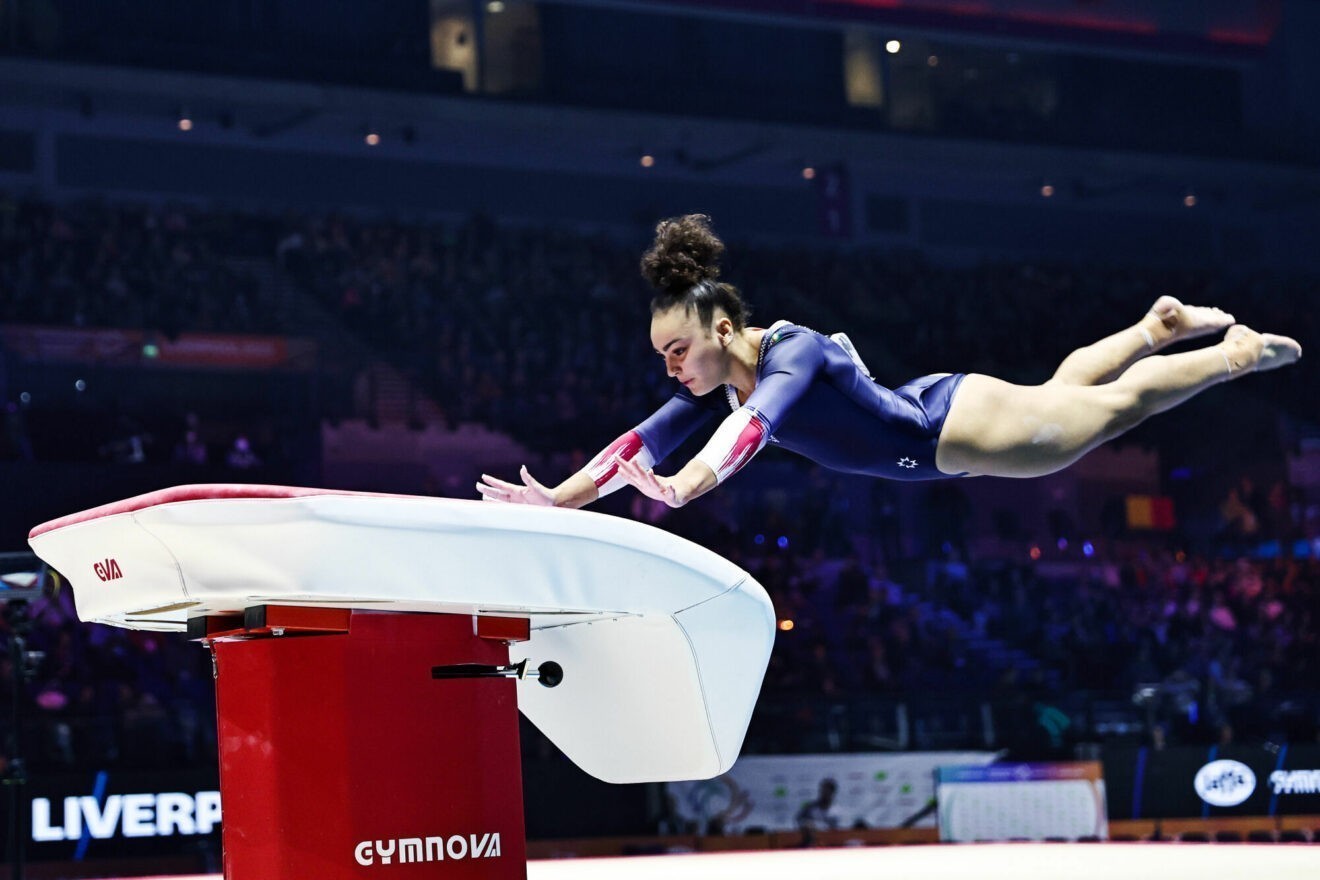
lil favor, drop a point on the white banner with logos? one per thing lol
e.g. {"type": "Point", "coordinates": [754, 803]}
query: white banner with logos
{"type": "Point", "coordinates": [1061, 799]}
{"type": "Point", "coordinates": [791, 792]}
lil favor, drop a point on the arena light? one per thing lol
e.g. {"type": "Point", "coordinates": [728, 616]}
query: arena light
{"type": "Point", "coordinates": [808, 173]}
{"type": "Point", "coordinates": [1047, 190]}
{"type": "Point", "coordinates": [933, 61]}
{"type": "Point", "coordinates": [185, 121]}
{"type": "Point", "coordinates": [1189, 200]}
{"type": "Point", "coordinates": [372, 139]}
{"type": "Point", "coordinates": [893, 47]}
{"type": "Point", "coordinates": [647, 160]}
{"type": "Point", "coordinates": [495, 7]}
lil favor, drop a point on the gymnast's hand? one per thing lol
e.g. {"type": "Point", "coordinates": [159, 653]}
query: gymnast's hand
{"type": "Point", "coordinates": [531, 492]}
{"type": "Point", "coordinates": [646, 482]}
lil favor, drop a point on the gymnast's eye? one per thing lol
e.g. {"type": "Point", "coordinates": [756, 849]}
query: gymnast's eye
{"type": "Point", "coordinates": [678, 352]}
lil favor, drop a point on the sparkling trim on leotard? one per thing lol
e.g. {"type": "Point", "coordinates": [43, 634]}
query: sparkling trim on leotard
{"type": "Point", "coordinates": [731, 393]}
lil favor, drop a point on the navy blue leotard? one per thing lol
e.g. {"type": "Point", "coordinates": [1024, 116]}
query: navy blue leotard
{"type": "Point", "coordinates": [811, 397]}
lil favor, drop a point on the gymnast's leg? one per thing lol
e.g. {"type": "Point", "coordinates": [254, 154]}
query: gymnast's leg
{"type": "Point", "coordinates": [1168, 321]}
{"type": "Point", "coordinates": [995, 428]}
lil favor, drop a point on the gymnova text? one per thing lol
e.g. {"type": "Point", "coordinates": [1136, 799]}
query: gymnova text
{"type": "Point", "coordinates": [430, 849]}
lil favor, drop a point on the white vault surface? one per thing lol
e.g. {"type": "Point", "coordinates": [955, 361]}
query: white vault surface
{"type": "Point", "coordinates": [663, 643]}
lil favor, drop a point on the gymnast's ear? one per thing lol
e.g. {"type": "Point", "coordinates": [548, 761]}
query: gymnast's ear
{"type": "Point", "coordinates": [722, 327]}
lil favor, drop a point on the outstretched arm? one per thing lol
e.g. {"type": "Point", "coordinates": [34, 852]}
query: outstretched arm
{"type": "Point", "coordinates": [693, 481]}
{"type": "Point", "coordinates": [790, 368]}
{"type": "Point", "coordinates": [649, 442]}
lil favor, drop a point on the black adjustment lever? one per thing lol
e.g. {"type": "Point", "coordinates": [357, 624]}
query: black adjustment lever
{"type": "Point", "coordinates": [549, 673]}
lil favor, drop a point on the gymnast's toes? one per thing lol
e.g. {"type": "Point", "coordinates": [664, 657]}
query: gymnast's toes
{"type": "Point", "coordinates": [1188, 322]}
{"type": "Point", "coordinates": [1278, 351]}
{"type": "Point", "coordinates": [1249, 350]}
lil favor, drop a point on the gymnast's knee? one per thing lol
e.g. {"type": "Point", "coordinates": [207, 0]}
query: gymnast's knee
{"type": "Point", "coordinates": [1123, 410]}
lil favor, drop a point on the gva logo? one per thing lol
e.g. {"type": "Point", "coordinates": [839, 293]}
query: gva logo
{"type": "Point", "coordinates": [432, 849]}
{"type": "Point", "coordinates": [1225, 783]}
{"type": "Point", "coordinates": [108, 570]}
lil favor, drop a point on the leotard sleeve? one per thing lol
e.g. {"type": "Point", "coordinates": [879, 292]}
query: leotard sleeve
{"type": "Point", "coordinates": [650, 441]}
{"type": "Point", "coordinates": [788, 368]}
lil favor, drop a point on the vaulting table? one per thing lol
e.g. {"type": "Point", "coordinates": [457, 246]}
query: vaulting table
{"type": "Point", "coordinates": [372, 651]}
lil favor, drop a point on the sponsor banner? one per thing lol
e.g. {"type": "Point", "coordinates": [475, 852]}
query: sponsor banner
{"type": "Point", "coordinates": [408, 850]}
{"type": "Point", "coordinates": [111, 347]}
{"type": "Point", "coordinates": [1224, 783]}
{"type": "Point", "coordinates": [1295, 782]}
{"type": "Point", "coordinates": [786, 793]}
{"type": "Point", "coordinates": [113, 814]}
{"type": "Point", "coordinates": [1020, 772]}
{"type": "Point", "coordinates": [1195, 781]}
{"type": "Point", "coordinates": [207, 350]}
{"type": "Point", "coordinates": [1022, 802]}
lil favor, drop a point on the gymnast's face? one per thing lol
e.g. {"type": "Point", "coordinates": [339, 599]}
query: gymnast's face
{"type": "Point", "coordinates": [693, 354]}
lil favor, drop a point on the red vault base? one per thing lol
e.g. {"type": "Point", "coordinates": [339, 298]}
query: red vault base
{"type": "Point", "coordinates": [341, 757]}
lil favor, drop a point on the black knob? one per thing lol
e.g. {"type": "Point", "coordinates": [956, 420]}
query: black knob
{"type": "Point", "coordinates": [550, 673]}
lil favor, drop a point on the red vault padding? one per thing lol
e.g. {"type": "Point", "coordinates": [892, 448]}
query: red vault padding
{"type": "Point", "coordinates": [341, 757]}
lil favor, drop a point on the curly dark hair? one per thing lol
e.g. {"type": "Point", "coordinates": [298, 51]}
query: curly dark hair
{"type": "Point", "coordinates": [682, 265]}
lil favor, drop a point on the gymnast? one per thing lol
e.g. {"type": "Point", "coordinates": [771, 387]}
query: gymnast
{"type": "Point", "coordinates": [791, 387]}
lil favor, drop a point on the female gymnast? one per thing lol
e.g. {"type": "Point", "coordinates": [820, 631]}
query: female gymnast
{"type": "Point", "coordinates": [792, 387]}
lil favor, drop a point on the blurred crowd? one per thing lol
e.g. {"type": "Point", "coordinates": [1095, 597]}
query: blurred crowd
{"type": "Point", "coordinates": [101, 696]}
{"type": "Point", "coordinates": [100, 264]}
{"type": "Point", "coordinates": [530, 328]}
{"type": "Point", "coordinates": [542, 333]}
{"type": "Point", "coordinates": [527, 330]}
{"type": "Point", "coordinates": [1190, 648]}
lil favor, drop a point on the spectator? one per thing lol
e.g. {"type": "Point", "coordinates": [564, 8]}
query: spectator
{"type": "Point", "coordinates": [241, 457]}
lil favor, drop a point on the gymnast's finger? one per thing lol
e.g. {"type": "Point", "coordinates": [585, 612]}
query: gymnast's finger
{"type": "Point", "coordinates": [500, 484]}
{"type": "Point", "coordinates": [645, 480]}
{"type": "Point", "coordinates": [530, 480]}
{"type": "Point", "coordinates": [492, 493]}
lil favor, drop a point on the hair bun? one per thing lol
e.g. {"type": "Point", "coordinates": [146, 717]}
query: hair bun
{"type": "Point", "coordinates": [685, 252]}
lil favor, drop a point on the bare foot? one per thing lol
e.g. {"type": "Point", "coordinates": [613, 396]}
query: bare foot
{"type": "Point", "coordinates": [1248, 350]}
{"type": "Point", "coordinates": [1171, 321]}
